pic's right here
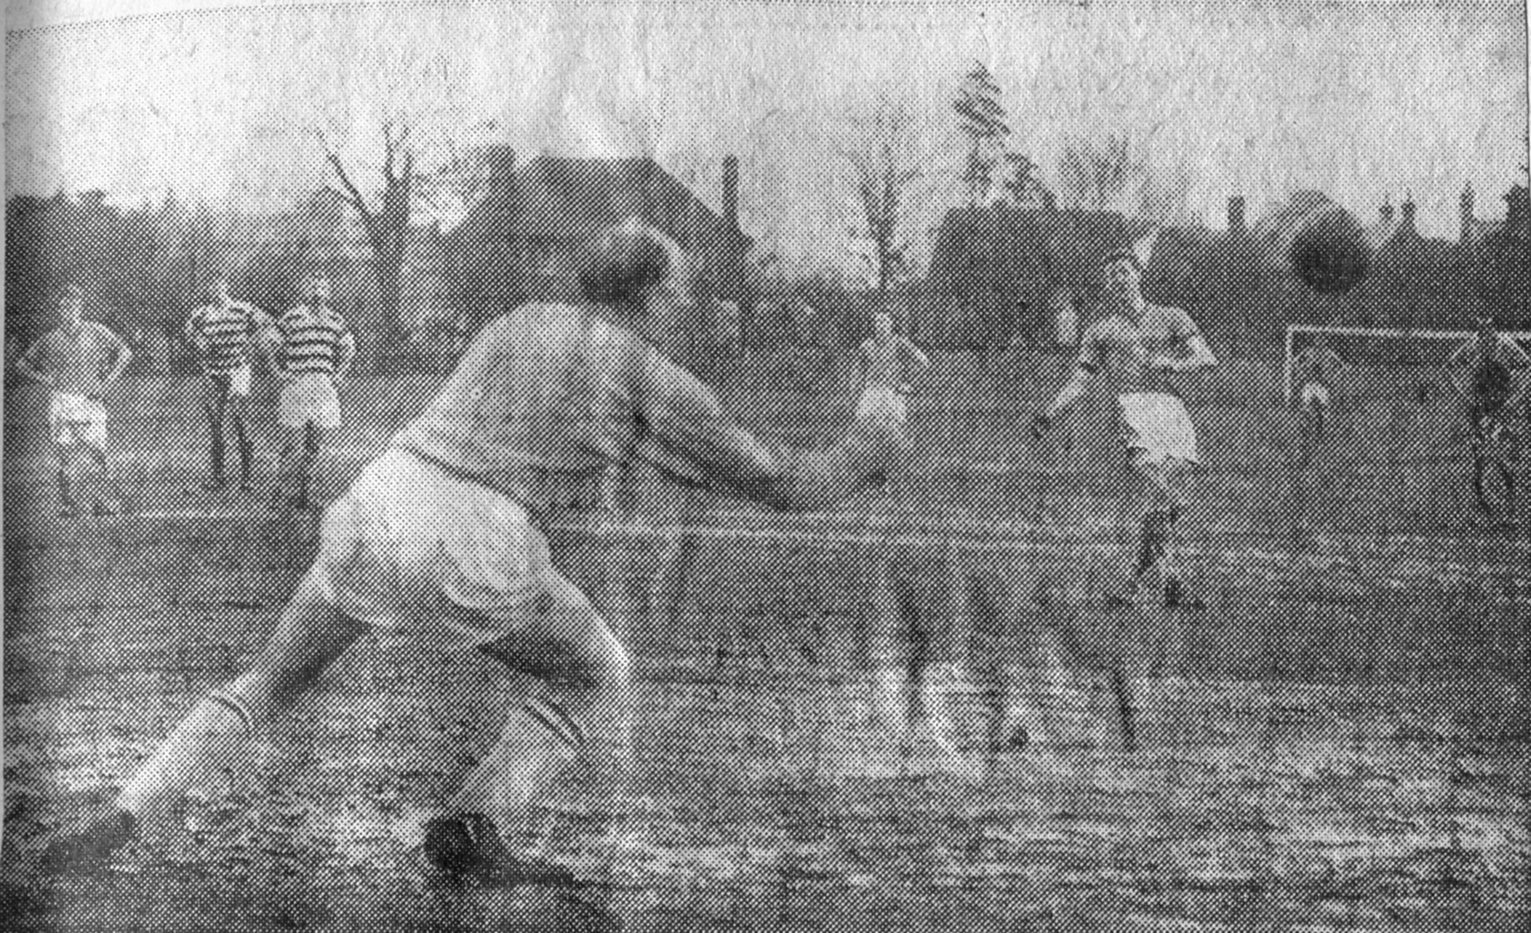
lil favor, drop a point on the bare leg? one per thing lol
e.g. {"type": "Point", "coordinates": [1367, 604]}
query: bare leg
{"type": "Point", "coordinates": [288, 457]}
{"type": "Point", "coordinates": [63, 465]}
{"type": "Point", "coordinates": [217, 400]}
{"type": "Point", "coordinates": [1166, 499]}
{"type": "Point", "coordinates": [1480, 465]}
{"type": "Point", "coordinates": [582, 712]}
{"type": "Point", "coordinates": [239, 409]}
{"type": "Point", "coordinates": [108, 498]}
{"type": "Point", "coordinates": [213, 736]}
{"type": "Point", "coordinates": [310, 455]}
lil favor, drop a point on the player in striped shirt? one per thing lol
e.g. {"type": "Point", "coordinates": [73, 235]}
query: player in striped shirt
{"type": "Point", "coordinates": [224, 331]}
{"type": "Point", "coordinates": [441, 539]}
{"type": "Point", "coordinates": [78, 361]}
{"type": "Point", "coordinates": [315, 350]}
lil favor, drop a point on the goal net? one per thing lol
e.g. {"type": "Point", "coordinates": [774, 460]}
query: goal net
{"type": "Point", "coordinates": [1379, 364]}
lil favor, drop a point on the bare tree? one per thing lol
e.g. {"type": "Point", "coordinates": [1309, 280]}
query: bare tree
{"type": "Point", "coordinates": [1114, 174]}
{"type": "Point", "coordinates": [1022, 184]}
{"type": "Point", "coordinates": [405, 160]}
{"type": "Point", "coordinates": [885, 161]}
{"type": "Point", "coordinates": [1096, 174]}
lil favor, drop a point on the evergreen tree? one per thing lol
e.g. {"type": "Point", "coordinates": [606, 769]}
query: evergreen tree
{"type": "Point", "coordinates": [983, 122]}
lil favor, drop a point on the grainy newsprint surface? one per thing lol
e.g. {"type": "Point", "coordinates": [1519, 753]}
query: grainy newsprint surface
{"type": "Point", "coordinates": [1049, 466]}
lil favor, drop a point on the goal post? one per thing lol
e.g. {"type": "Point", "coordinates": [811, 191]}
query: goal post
{"type": "Point", "coordinates": [1399, 350]}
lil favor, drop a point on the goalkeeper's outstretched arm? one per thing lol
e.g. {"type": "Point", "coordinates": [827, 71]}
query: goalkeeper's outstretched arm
{"type": "Point", "coordinates": [688, 436]}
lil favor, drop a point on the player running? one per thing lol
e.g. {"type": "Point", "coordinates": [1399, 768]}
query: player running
{"type": "Point", "coordinates": [441, 539]}
{"type": "Point", "coordinates": [78, 361]}
{"type": "Point", "coordinates": [224, 331]}
{"type": "Point", "coordinates": [1137, 347]}
{"type": "Point", "coordinates": [1489, 372]}
{"type": "Point", "coordinates": [1314, 371]}
{"type": "Point", "coordinates": [316, 349]}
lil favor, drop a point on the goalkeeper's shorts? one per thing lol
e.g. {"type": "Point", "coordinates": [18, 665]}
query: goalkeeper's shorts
{"type": "Point", "coordinates": [413, 550]}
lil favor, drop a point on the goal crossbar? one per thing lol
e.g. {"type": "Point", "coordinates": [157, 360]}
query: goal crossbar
{"type": "Point", "coordinates": [1292, 330]}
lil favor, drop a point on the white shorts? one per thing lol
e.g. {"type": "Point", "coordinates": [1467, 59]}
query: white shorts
{"type": "Point", "coordinates": [308, 397]}
{"type": "Point", "coordinates": [239, 380]}
{"type": "Point", "coordinates": [1157, 428]}
{"type": "Point", "coordinates": [876, 398]}
{"type": "Point", "coordinates": [75, 419]}
{"type": "Point", "coordinates": [413, 550]}
{"type": "Point", "coordinates": [1315, 395]}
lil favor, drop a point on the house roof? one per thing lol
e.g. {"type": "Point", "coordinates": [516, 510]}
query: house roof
{"type": "Point", "coordinates": [561, 199]}
{"type": "Point", "coordinates": [1001, 245]}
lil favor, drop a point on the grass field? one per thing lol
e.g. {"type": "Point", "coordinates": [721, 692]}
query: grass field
{"type": "Point", "coordinates": [1338, 742]}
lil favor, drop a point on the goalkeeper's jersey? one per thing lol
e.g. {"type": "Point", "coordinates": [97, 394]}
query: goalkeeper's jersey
{"type": "Point", "coordinates": [549, 398]}
{"type": "Point", "coordinates": [1491, 373]}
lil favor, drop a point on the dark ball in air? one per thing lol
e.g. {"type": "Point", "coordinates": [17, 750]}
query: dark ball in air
{"type": "Point", "coordinates": [1316, 241]}
{"type": "Point", "coordinates": [1329, 253]}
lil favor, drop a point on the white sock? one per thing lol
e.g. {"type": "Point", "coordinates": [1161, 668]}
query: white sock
{"type": "Point", "coordinates": [539, 742]}
{"type": "Point", "coordinates": [212, 738]}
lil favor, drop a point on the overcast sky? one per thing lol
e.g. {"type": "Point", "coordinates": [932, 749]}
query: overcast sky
{"type": "Point", "coordinates": [1363, 100]}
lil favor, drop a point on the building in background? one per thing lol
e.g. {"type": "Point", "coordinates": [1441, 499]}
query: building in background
{"type": "Point", "coordinates": [517, 242]}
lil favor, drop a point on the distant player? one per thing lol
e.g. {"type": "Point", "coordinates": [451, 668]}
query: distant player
{"type": "Point", "coordinates": [441, 539]}
{"type": "Point", "coordinates": [1489, 371]}
{"type": "Point", "coordinates": [224, 331]}
{"type": "Point", "coordinates": [1136, 348]}
{"type": "Point", "coordinates": [78, 361]}
{"type": "Point", "coordinates": [890, 364]}
{"type": "Point", "coordinates": [315, 350]}
{"type": "Point", "coordinates": [1314, 371]}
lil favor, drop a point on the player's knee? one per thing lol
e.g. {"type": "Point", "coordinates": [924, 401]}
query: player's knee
{"type": "Point", "coordinates": [611, 671]}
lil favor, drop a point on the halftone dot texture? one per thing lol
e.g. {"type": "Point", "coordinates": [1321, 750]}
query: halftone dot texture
{"type": "Point", "coordinates": [914, 711]}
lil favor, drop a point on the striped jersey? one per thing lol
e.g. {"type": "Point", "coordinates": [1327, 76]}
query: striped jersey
{"type": "Point", "coordinates": [225, 335]}
{"type": "Point", "coordinates": [314, 340]}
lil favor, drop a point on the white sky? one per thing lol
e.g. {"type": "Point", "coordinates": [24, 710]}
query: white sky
{"type": "Point", "coordinates": [1362, 100]}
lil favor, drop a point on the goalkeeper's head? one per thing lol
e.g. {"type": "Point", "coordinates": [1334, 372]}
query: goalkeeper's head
{"type": "Point", "coordinates": [636, 271]}
{"type": "Point", "coordinates": [1484, 325]}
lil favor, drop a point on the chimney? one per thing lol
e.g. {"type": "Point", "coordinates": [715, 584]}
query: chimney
{"type": "Point", "coordinates": [1385, 213]}
{"type": "Point", "coordinates": [1236, 214]}
{"type": "Point", "coordinates": [1467, 215]}
{"type": "Point", "coordinates": [1408, 212]}
{"type": "Point", "coordinates": [731, 192]}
